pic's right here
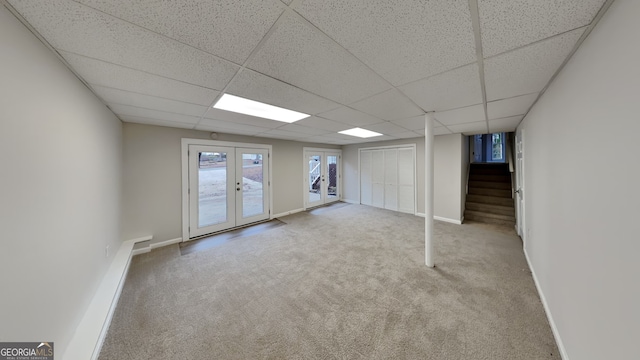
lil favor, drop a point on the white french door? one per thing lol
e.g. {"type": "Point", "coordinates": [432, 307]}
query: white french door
{"type": "Point", "coordinates": [520, 192]}
{"type": "Point", "coordinates": [228, 187]}
{"type": "Point", "coordinates": [322, 177]}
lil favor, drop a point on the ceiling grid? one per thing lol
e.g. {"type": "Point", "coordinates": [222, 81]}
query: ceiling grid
{"type": "Point", "coordinates": [480, 65]}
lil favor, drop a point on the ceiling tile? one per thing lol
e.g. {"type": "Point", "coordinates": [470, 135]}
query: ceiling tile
{"type": "Point", "coordinates": [98, 72]}
{"type": "Point", "coordinates": [255, 86]}
{"type": "Point", "coordinates": [509, 24]}
{"type": "Point", "coordinates": [156, 122]}
{"type": "Point", "coordinates": [285, 135]}
{"type": "Point", "coordinates": [300, 55]}
{"type": "Point", "coordinates": [462, 115]}
{"type": "Point", "coordinates": [229, 29]}
{"type": "Point", "coordinates": [73, 27]}
{"type": "Point", "coordinates": [349, 116]}
{"type": "Point", "coordinates": [323, 124]}
{"type": "Point", "coordinates": [449, 90]}
{"type": "Point", "coordinates": [132, 111]}
{"type": "Point", "coordinates": [406, 135]}
{"type": "Point", "coordinates": [439, 131]}
{"type": "Point", "coordinates": [402, 41]}
{"type": "Point", "coordinates": [303, 129]}
{"type": "Point", "coordinates": [226, 126]}
{"type": "Point", "coordinates": [509, 107]}
{"type": "Point", "coordinates": [386, 128]}
{"type": "Point", "coordinates": [122, 97]}
{"type": "Point", "coordinates": [505, 124]}
{"type": "Point", "coordinates": [389, 105]}
{"type": "Point", "coordinates": [479, 127]}
{"type": "Point", "coordinates": [412, 123]}
{"type": "Point", "coordinates": [229, 116]}
{"type": "Point", "coordinates": [527, 69]}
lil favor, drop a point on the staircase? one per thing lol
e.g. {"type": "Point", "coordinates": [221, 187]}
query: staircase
{"type": "Point", "coordinates": [489, 197]}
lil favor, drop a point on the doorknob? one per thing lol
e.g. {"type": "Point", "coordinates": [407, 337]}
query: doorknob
{"type": "Point", "coordinates": [238, 189]}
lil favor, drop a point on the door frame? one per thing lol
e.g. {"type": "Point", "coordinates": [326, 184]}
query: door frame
{"type": "Point", "coordinates": [305, 167]}
{"type": "Point", "coordinates": [521, 228]}
{"type": "Point", "coordinates": [184, 158]}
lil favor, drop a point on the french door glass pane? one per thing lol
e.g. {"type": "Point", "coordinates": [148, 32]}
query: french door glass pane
{"type": "Point", "coordinates": [252, 189]}
{"type": "Point", "coordinates": [315, 178]}
{"type": "Point", "coordinates": [332, 174]}
{"type": "Point", "coordinates": [212, 188]}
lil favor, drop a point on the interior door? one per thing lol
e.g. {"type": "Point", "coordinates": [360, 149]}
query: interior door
{"type": "Point", "coordinates": [322, 177]}
{"type": "Point", "coordinates": [228, 187]}
{"type": "Point", "coordinates": [251, 185]}
{"type": "Point", "coordinates": [520, 190]}
{"type": "Point", "coordinates": [211, 189]}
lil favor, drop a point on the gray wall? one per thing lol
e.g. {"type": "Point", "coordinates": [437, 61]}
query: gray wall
{"type": "Point", "coordinates": [448, 159]}
{"type": "Point", "coordinates": [152, 177]}
{"type": "Point", "coordinates": [60, 151]}
{"type": "Point", "coordinates": [581, 173]}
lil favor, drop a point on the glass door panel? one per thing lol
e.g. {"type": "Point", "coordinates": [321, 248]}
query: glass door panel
{"type": "Point", "coordinates": [332, 177]}
{"type": "Point", "coordinates": [211, 174]}
{"type": "Point", "coordinates": [251, 185]}
{"type": "Point", "coordinates": [314, 179]}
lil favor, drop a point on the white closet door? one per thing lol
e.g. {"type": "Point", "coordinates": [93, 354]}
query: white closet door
{"type": "Point", "coordinates": [391, 179]}
{"type": "Point", "coordinates": [365, 178]}
{"type": "Point", "coordinates": [377, 178]}
{"type": "Point", "coordinates": [406, 180]}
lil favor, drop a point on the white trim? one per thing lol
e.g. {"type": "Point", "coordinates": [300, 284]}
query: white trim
{"type": "Point", "coordinates": [165, 243]}
{"type": "Point", "coordinates": [288, 213]}
{"type": "Point", "coordinates": [152, 246]}
{"type": "Point", "coordinates": [143, 250]}
{"type": "Point", "coordinates": [90, 333]}
{"type": "Point", "coordinates": [453, 221]}
{"type": "Point", "coordinates": [554, 328]}
{"type": "Point", "coordinates": [440, 218]}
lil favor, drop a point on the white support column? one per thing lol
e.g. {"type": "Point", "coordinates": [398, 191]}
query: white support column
{"type": "Point", "coordinates": [428, 184]}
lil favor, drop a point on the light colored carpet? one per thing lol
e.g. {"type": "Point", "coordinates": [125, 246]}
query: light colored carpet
{"type": "Point", "coordinates": [346, 283]}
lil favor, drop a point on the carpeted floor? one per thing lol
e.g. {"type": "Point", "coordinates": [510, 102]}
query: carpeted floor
{"type": "Point", "coordinates": [345, 283]}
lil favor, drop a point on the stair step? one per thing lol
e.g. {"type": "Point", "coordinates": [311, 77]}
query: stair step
{"type": "Point", "coordinates": [492, 209]}
{"type": "Point", "coordinates": [490, 192]}
{"type": "Point", "coordinates": [489, 218]}
{"type": "Point", "coordinates": [507, 223]}
{"type": "Point", "coordinates": [495, 178]}
{"type": "Point", "coordinates": [489, 200]}
{"type": "Point", "coordinates": [489, 169]}
{"type": "Point", "coordinates": [490, 185]}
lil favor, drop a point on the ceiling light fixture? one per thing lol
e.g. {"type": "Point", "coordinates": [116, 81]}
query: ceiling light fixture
{"type": "Point", "coordinates": [256, 108]}
{"type": "Point", "coordinates": [363, 133]}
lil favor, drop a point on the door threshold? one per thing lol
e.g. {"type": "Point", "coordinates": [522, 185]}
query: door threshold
{"type": "Point", "coordinates": [222, 237]}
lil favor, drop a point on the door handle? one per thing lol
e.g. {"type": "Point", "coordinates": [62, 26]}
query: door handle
{"type": "Point", "coordinates": [238, 189]}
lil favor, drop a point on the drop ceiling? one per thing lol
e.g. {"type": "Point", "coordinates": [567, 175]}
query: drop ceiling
{"type": "Point", "coordinates": [479, 65]}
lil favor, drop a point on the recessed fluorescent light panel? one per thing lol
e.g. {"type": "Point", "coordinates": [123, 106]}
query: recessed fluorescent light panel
{"type": "Point", "coordinates": [256, 108]}
{"type": "Point", "coordinates": [363, 133]}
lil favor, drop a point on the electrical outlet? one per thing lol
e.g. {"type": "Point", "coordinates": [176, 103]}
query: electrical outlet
{"type": "Point", "coordinates": [106, 251]}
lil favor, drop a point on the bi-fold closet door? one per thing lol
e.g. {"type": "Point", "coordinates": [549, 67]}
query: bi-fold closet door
{"type": "Point", "coordinates": [387, 178]}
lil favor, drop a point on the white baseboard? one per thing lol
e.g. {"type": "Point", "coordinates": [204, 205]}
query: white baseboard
{"type": "Point", "coordinates": [288, 213]}
{"type": "Point", "coordinates": [554, 328]}
{"type": "Point", "coordinates": [351, 201]}
{"type": "Point", "coordinates": [439, 218]}
{"type": "Point", "coordinates": [151, 246]}
{"type": "Point", "coordinates": [90, 333]}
